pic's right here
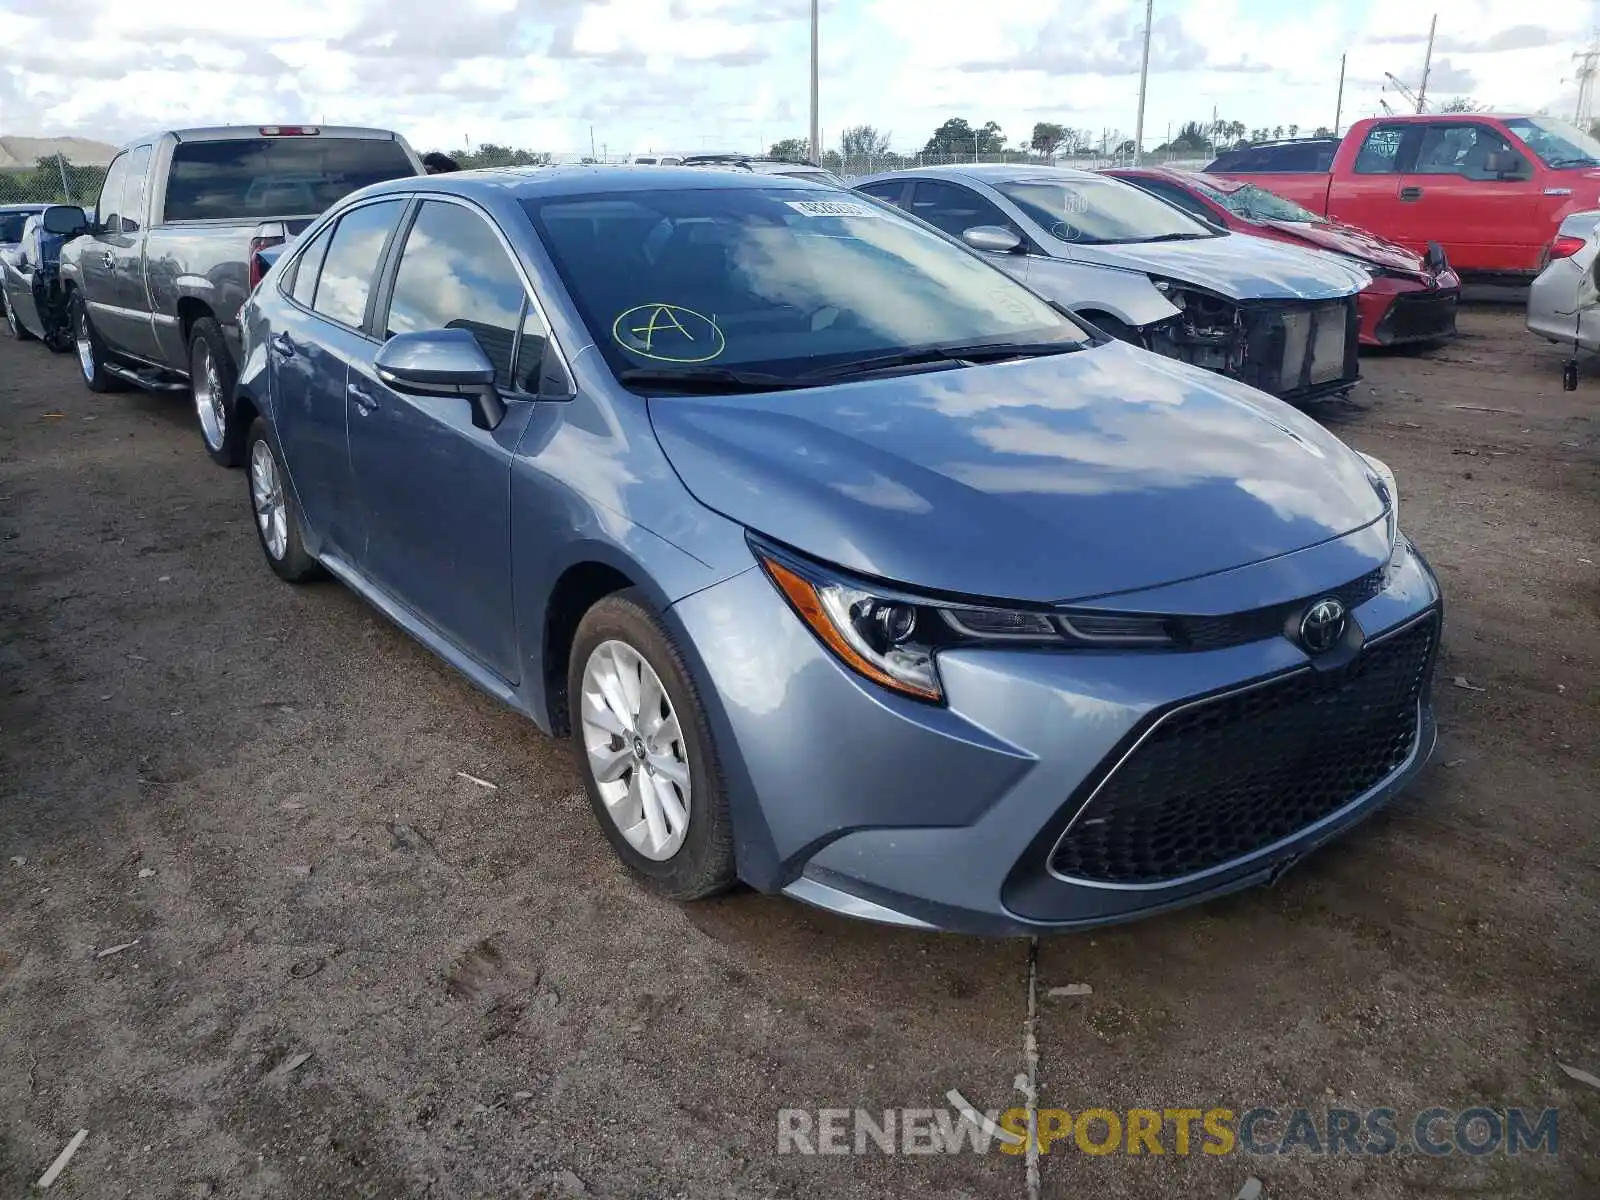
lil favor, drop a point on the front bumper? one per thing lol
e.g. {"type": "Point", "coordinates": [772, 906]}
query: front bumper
{"type": "Point", "coordinates": [849, 797]}
{"type": "Point", "coordinates": [1397, 311]}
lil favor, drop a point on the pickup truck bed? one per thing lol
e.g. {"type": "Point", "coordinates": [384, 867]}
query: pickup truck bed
{"type": "Point", "coordinates": [1490, 189]}
{"type": "Point", "coordinates": [156, 283]}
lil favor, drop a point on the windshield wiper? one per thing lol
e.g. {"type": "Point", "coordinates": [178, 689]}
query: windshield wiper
{"type": "Point", "coordinates": [710, 380]}
{"type": "Point", "coordinates": [1176, 237]}
{"type": "Point", "coordinates": [1583, 160]}
{"type": "Point", "coordinates": [982, 352]}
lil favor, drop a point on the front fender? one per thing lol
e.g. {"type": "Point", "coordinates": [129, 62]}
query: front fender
{"type": "Point", "coordinates": [1129, 296]}
{"type": "Point", "coordinates": [71, 270]}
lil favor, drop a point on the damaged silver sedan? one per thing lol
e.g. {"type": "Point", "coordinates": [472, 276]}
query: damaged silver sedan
{"type": "Point", "coordinates": [1275, 316]}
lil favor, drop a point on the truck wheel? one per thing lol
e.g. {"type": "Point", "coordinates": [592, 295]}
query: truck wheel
{"type": "Point", "coordinates": [14, 325]}
{"type": "Point", "coordinates": [211, 380]}
{"type": "Point", "coordinates": [92, 355]}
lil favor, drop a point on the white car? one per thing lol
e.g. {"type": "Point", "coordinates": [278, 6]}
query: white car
{"type": "Point", "coordinates": [1564, 302]}
{"type": "Point", "coordinates": [1273, 315]}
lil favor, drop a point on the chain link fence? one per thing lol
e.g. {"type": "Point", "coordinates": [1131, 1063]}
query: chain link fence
{"type": "Point", "coordinates": [53, 180]}
{"type": "Point", "coordinates": [857, 166]}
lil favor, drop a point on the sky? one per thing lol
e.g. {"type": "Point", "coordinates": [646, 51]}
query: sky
{"type": "Point", "coordinates": [687, 75]}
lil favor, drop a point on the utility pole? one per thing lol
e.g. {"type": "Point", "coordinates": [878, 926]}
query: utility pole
{"type": "Point", "coordinates": [1144, 76]}
{"type": "Point", "coordinates": [1427, 66]}
{"type": "Point", "coordinates": [1583, 113]}
{"type": "Point", "coordinates": [816, 129]}
{"type": "Point", "coordinates": [1338, 105]}
{"type": "Point", "coordinates": [591, 141]}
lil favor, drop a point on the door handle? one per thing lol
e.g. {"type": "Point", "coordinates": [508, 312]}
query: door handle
{"type": "Point", "coordinates": [1410, 193]}
{"type": "Point", "coordinates": [360, 397]}
{"type": "Point", "coordinates": [283, 345]}
{"type": "Point", "coordinates": [108, 258]}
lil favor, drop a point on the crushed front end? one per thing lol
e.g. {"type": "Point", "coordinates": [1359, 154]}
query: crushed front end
{"type": "Point", "coordinates": [1295, 349]}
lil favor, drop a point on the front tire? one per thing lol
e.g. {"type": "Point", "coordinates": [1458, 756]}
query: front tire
{"type": "Point", "coordinates": [276, 516]}
{"type": "Point", "coordinates": [211, 382]}
{"type": "Point", "coordinates": [92, 357]}
{"type": "Point", "coordinates": [644, 750]}
{"type": "Point", "coordinates": [18, 331]}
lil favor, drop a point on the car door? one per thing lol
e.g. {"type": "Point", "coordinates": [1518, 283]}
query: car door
{"type": "Point", "coordinates": [1481, 216]}
{"type": "Point", "coordinates": [435, 490]}
{"type": "Point", "coordinates": [321, 333]}
{"type": "Point", "coordinates": [97, 262]}
{"type": "Point", "coordinates": [1369, 195]}
{"type": "Point", "coordinates": [956, 209]}
{"type": "Point", "coordinates": [128, 289]}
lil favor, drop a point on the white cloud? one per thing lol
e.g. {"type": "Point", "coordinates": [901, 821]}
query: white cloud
{"type": "Point", "coordinates": [693, 74]}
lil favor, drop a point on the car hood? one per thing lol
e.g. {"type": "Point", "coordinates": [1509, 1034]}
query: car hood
{"type": "Point", "coordinates": [1100, 471]}
{"type": "Point", "coordinates": [1237, 266]}
{"type": "Point", "coordinates": [1358, 243]}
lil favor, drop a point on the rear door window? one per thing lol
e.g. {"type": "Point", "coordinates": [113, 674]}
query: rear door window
{"type": "Point", "coordinates": [1380, 153]}
{"type": "Point", "coordinates": [347, 273]}
{"type": "Point", "coordinates": [303, 280]}
{"type": "Point", "coordinates": [455, 274]}
{"type": "Point", "coordinates": [245, 178]}
{"type": "Point", "coordinates": [954, 209]}
{"type": "Point", "coordinates": [892, 190]}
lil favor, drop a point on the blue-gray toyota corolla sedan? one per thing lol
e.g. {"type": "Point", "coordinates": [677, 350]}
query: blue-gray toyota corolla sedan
{"type": "Point", "coordinates": [853, 569]}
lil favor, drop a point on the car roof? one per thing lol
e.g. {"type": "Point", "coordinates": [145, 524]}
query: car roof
{"type": "Point", "coordinates": [23, 208]}
{"type": "Point", "coordinates": [229, 133]}
{"type": "Point", "coordinates": [992, 173]}
{"type": "Point", "coordinates": [528, 183]}
{"type": "Point", "coordinates": [1217, 183]}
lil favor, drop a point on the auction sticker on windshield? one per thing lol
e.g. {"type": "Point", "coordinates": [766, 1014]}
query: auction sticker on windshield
{"type": "Point", "coordinates": [668, 333]}
{"type": "Point", "coordinates": [833, 208]}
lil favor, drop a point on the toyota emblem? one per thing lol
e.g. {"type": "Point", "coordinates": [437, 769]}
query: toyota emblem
{"type": "Point", "coordinates": [1323, 625]}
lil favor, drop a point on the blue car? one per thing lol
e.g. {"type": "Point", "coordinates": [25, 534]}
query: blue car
{"type": "Point", "coordinates": [852, 568]}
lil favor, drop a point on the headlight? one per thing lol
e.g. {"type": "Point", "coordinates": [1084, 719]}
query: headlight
{"type": "Point", "coordinates": [1388, 490]}
{"type": "Point", "coordinates": [894, 638]}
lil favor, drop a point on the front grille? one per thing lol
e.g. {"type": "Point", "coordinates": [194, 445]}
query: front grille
{"type": "Point", "coordinates": [1235, 629]}
{"type": "Point", "coordinates": [1416, 316]}
{"type": "Point", "coordinates": [1216, 780]}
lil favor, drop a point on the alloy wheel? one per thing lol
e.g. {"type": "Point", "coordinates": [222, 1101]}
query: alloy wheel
{"type": "Point", "coordinates": [636, 750]}
{"type": "Point", "coordinates": [81, 338]}
{"type": "Point", "coordinates": [266, 496]}
{"type": "Point", "coordinates": [208, 399]}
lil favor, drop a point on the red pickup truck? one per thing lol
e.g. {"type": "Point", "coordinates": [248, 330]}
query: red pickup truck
{"type": "Point", "coordinates": [1490, 189]}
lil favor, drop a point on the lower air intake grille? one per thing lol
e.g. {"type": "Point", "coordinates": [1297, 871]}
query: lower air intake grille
{"type": "Point", "coordinates": [1216, 780]}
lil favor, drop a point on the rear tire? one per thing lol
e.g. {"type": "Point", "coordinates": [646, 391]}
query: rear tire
{"type": "Point", "coordinates": [653, 739]}
{"type": "Point", "coordinates": [92, 356]}
{"type": "Point", "coordinates": [277, 517]}
{"type": "Point", "coordinates": [211, 382]}
{"type": "Point", "coordinates": [15, 326]}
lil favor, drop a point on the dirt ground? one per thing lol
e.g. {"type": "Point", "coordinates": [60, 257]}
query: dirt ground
{"type": "Point", "coordinates": [258, 786]}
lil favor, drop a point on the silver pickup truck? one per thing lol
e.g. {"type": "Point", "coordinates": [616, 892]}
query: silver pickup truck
{"type": "Point", "coordinates": [154, 284]}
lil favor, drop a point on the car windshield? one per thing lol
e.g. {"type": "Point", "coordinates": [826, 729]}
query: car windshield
{"type": "Point", "coordinates": [246, 178]}
{"type": "Point", "coordinates": [1101, 212]}
{"type": "Point", "coordinates": [1257, 204]}
{"type": "Point", "coordinates": [782, 281]}
{"type": "Point", "coordinates": [1555, 142]}
{"type": "Point", "coordinates": [11, 226]}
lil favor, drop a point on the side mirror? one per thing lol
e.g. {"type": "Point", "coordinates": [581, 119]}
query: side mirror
{"type": "Point", "coordinates": [1503, 164]}
{"type": "Point", "coordinates": [65, 220]}
{"type": "Point", "coordinates": [995, 239]}
{"type": "Point", "coordinates": [443, 362]}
